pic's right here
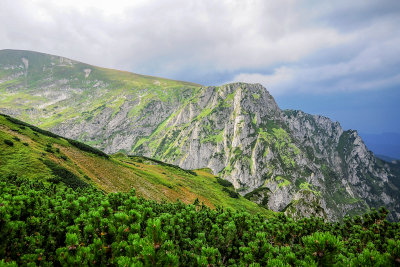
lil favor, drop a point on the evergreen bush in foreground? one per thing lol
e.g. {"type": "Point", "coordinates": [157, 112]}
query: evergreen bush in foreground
{"type": "Point", "coordinates": [50, 224]}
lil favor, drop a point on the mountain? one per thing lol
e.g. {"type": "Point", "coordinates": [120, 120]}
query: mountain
{"type": "Point", "coordinates": [384, 144]}
{"type": "Point", "coordinates": [273, 157]}
{"type": "Point", "coordinates": [30, 152]}
{"type": "Point", "coordinates": [51, 91]}
{"type": "Point", "coordinates": [385, 158]}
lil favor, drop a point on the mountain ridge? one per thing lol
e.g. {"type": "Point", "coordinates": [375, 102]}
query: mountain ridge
{"type": "Point", "coordinates": [385, 144]}
{"type": "Point", "coordinates": [237, 130]}
{"type": "Point", "coordinates": [22, 51]}
{"type": "Point", "coordinates": [30, 152]}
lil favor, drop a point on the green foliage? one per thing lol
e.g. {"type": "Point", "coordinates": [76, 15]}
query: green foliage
{"type": "Point", "coordinates": [394, 251]}
{"type": "Point", "coordinates": [308, 187]}
{"type": "Point", "coordinates": [279, 140]}
{"type": "Point", "coordinates": [254, 120]}
{"type": "Point", "coordinates": [260, 193]}
{"type": "Point", "coordinates": [8, 142]}
{"type": "Point", "coordinates": [218, 138]}
{"type": "Point", "coordinates": [48, 148]}
{"type": "Point", "coordinates": [224, 182]}
{"type": "Point", "coordinates": [323, 247]}
{"type": "Point", "coordinates": [140, 159]}
{"type": "Point", "coordinates": [87, 148]}
{"type": "Point", "coordinates": [231, 192]}
{"type": "Point", "coordinates": [33, 128]}
{"type": "Point", "coordinates": [65, 176]}
{"type": "Point", "coordinates": [284, 183]}
{"type": "Point", "coordinates": [228, 187]}
{"type": "Point", "coordinates": [345, 144]}
{"type": "Point", "coordinates": [46, 224]}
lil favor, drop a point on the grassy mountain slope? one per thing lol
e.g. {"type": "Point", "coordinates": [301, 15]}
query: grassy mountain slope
{"type": "Point", "coordinates": [236, 130]}
{"type": "Point", "coordinates": [48, 90]}
{"type": "Point", "coordinates": [27, 151]}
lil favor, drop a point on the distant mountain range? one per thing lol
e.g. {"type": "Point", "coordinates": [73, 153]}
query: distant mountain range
{"type": "Point", "coordinates": [385, 145]}
{"type": "Point", "coordinates": [284, 160]}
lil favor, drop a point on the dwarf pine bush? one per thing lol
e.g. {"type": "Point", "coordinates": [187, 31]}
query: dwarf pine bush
{"type": "Point", "coordinates": [45, 224]}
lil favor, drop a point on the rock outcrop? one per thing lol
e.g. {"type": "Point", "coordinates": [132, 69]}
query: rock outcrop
{"type": "Point", "coordinates": [305, 203]}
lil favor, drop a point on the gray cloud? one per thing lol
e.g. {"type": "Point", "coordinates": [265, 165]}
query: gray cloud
{"type": "Point", "coordinates": [367, 59]}
{"type": "Point", "coordinates": [308, 43]}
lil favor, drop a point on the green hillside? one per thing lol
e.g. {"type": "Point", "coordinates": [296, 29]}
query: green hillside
{"type": "Point", "coordinates": [64, 89]}
{"type": "Point", "coordinates": [27, 151]}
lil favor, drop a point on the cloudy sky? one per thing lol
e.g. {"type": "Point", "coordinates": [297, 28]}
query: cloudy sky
{"type": "Point", "coordinates": [336, 58]}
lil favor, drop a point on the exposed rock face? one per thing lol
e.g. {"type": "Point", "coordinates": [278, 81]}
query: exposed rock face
{"type": "Point", "coordinates": [305, 203]}
{"type": "Point", "coordinates": [236, 130]}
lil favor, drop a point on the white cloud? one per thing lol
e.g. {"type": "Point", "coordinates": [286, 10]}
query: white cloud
{"type": "Point", "coordinates": [243, 39]}
{"type": "Point", "coordinates": [374, 66]}
{"type": "Point", "coordinates": [167, 36]}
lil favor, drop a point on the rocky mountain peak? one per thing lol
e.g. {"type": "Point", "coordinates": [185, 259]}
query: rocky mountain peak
{"type": "Point", "coordinates": [237, 130]}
